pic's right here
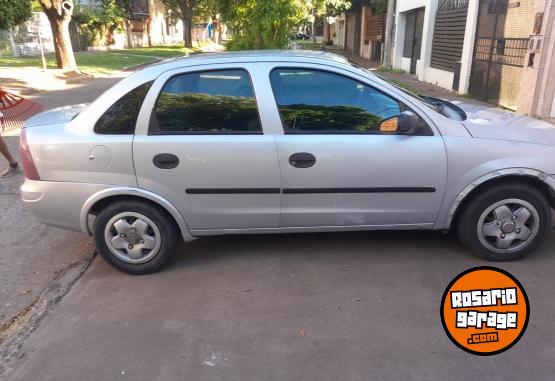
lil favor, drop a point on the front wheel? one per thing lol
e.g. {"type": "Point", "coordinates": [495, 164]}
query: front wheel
{"type": "Point", "coordinates": [135, 237]}
{"type": "Point", "coordinates": [505, 222]}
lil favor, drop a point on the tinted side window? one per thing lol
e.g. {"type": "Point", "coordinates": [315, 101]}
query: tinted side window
{"type": "Point", "coordinates": [319, 101]}
{"type": "Point", "coordinates": [121, 117]}
{"type": "Point", "coordinates": [207, 102]}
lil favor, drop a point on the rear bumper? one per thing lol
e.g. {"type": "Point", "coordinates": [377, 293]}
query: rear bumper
{"type": "Point", "coordinates": [58, 204]}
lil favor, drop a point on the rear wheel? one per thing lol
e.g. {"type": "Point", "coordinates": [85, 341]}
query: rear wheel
{"type": "Point", "coordinates": [135, 237]}
{"type": "Point", "coordinates": [505, 222]}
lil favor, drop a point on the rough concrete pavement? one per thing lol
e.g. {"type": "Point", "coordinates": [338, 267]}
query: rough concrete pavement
{"type": "Point", "coordinates": [32, 254]}
{"type": "Point", "coordinates": [356, 306]}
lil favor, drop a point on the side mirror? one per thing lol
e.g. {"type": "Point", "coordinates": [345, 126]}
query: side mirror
{"type": "Point", "coordinates": [405, 123]}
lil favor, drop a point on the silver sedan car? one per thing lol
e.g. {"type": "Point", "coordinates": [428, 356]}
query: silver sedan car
{"type": "Point", "coordinates": [282, 142]}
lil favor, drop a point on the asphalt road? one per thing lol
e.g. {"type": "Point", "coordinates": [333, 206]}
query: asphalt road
{"type": "Point", "coordinates": [354, 306]}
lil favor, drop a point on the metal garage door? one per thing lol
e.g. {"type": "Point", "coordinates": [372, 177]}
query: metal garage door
{"type": "Point", "coordinates": [500, 49]}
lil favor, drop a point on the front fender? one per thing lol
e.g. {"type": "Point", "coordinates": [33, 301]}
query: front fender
{"type": "Point", "coordinates": [450, 209]}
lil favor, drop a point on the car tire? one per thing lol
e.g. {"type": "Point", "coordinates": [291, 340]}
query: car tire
{"type": "Point", "coordinates": [505, 222]}
{"type": "Point", "coordinates": [135, 237]}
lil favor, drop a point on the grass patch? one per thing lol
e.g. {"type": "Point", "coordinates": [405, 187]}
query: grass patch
{"type": "Point", "coordinates": [384, 69]}
{"type": "Point", "coordinates": [404, 86]}
{"type": "Point", "coordinates": [93, 62]}
{"type": "Point", "coordinates": [306, 44]}
{"type": "Point", "coordinates": [167, 51]}
{"type": "Point", "coordinates": [108, 61]}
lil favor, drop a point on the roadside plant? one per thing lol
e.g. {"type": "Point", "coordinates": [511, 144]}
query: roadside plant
{"type": "Point", "coordinates": [13, 12]}
{"type": "Point", "coordinates": [99, 24]}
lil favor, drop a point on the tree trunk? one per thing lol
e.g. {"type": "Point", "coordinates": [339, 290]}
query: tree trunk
{"type": "Point", "coordinates": [12, 44]}
{"type": "Point", "coordinates": [59, 15]}
{"type": "Point", "coordinates": [128, 30]}
{"type": "Point", "coordinates": [149, 32]}
{"type": "Point", "coordinates": [388, 43]}
{"type": "Point", "coordinates": [313, 27]}
{"type": "Point", "coordinates": [188, 29]}
{"type": "Point", "coordinates": [65, 58]}
{"type": "Point", "coordinates": [215, 29]}
{"type": "Point", "coordinates": [258, 42]}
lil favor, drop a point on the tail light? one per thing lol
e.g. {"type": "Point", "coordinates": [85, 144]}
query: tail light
{"type": "Point", "coordinates": [26, 158]}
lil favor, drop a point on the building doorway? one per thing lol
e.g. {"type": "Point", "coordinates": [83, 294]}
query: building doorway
{"type": "Point", "coordinates": [414, 26]}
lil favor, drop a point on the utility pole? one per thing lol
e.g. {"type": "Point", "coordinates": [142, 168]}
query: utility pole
{"type": "Point", "coordinates": [388, 44]}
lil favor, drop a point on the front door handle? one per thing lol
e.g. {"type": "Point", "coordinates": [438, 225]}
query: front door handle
{"type": "Point", "coordinates": [166, 161]}
{"type": "Point", "coordinates": [302, 160]}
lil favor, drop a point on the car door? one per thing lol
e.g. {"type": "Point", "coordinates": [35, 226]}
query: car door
{"type": "Point", "coordinates": [201, 145]}
{"type": "Point", "coordinates": [337, 168]}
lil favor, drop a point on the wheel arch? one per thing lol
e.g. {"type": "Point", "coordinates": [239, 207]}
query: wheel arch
{"type": "Point", "coordinates": [537, 179]}
{"type": "Point", "coordinates": [108, 196]}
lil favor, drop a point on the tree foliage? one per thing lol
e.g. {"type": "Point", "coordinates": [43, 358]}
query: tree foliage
{"type": "Point", "coordinates": [261, 24]}
{"type": "Point", "coordinates": [184, 10]}
{"type": "Point", "coordinates": [98, 24]}
{"type": "Point", "coordinates": [328, 7]}
{"type": "Point", "coordinates": [14, 12]}
{"type": "Point", "coordinates": [265, 24]}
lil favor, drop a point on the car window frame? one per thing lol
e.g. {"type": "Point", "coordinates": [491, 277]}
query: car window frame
{"type": "Point", "coordinates": [200, 69]}
{"type": "Point", "coordinates": [286, 131]}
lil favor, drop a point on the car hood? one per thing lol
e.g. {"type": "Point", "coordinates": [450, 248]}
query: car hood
{"type": "Point", "coordinates": [493, 123]}
{"type": "Point", "coordinates": [55, 116]}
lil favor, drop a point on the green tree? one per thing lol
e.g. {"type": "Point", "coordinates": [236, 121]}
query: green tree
{"type": "Point", "coordinates": [261, 24]}
{"type": "Point", "coordinates": [13, 12]}
{"type": "Point", "coordinates": [99, 23]}
{"type": "Point", "coordinates": [184, 10]}
{"type": "Point", "coordinates": [126, 7]}
{"type": "Point", "coordinates": [325, 8]}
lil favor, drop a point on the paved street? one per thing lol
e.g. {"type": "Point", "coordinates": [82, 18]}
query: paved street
{"type": "Point", "coordinates": [354, 306]}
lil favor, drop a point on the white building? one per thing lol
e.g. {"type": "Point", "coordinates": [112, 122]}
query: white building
{"type": "Point", "coordinates": [452, 45]}
{"type": "Point", "coordinates": [498, 51]}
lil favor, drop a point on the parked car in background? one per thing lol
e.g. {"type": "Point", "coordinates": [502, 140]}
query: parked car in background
{"type": "Point", "coordinates": [299, 36]}
{"type": "Point", "coordinates": [281, 142]}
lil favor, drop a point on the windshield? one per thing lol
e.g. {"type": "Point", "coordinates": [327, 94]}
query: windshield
{"type": "Point", "coordinates": [440, 106]}
{"type": "Point", "coordinates": [433, 105]}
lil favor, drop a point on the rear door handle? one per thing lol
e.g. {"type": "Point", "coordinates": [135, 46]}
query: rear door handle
{"type": "Point", "coordinates": [165, 161]}
{"type": "Point", "coordinates": [302, 160]}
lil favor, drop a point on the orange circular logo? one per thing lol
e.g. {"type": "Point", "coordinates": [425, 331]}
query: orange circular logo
{"type": "Point", "coordinates": [485, 311]}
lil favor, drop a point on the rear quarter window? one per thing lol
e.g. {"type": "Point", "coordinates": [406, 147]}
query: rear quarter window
{"type": "Point", "coordinates": [121, 117]}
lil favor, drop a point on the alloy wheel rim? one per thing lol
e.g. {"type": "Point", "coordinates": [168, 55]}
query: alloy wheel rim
{"type": "Point", "coordinates": [508, 226]}
{"type": "Point", "coordinates": [132, 237]}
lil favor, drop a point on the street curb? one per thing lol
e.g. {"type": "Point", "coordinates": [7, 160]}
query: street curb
{"type": "Point", "coordinates": [14, 334]}
{"type": "Point", "coordinates": [141, 66]}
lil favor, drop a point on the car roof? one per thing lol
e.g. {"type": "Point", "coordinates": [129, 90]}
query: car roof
{"type": "Point", "coordinates": [291, 55]}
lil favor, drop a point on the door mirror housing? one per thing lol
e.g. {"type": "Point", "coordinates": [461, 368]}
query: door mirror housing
{"type": "Point", "coordinates": [406, 123]}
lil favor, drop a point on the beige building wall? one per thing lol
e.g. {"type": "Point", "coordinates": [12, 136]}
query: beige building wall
{"type": "Point", "coordinates": [537, 89]}
{"type": "Point", "coordinates": [160, 32]}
